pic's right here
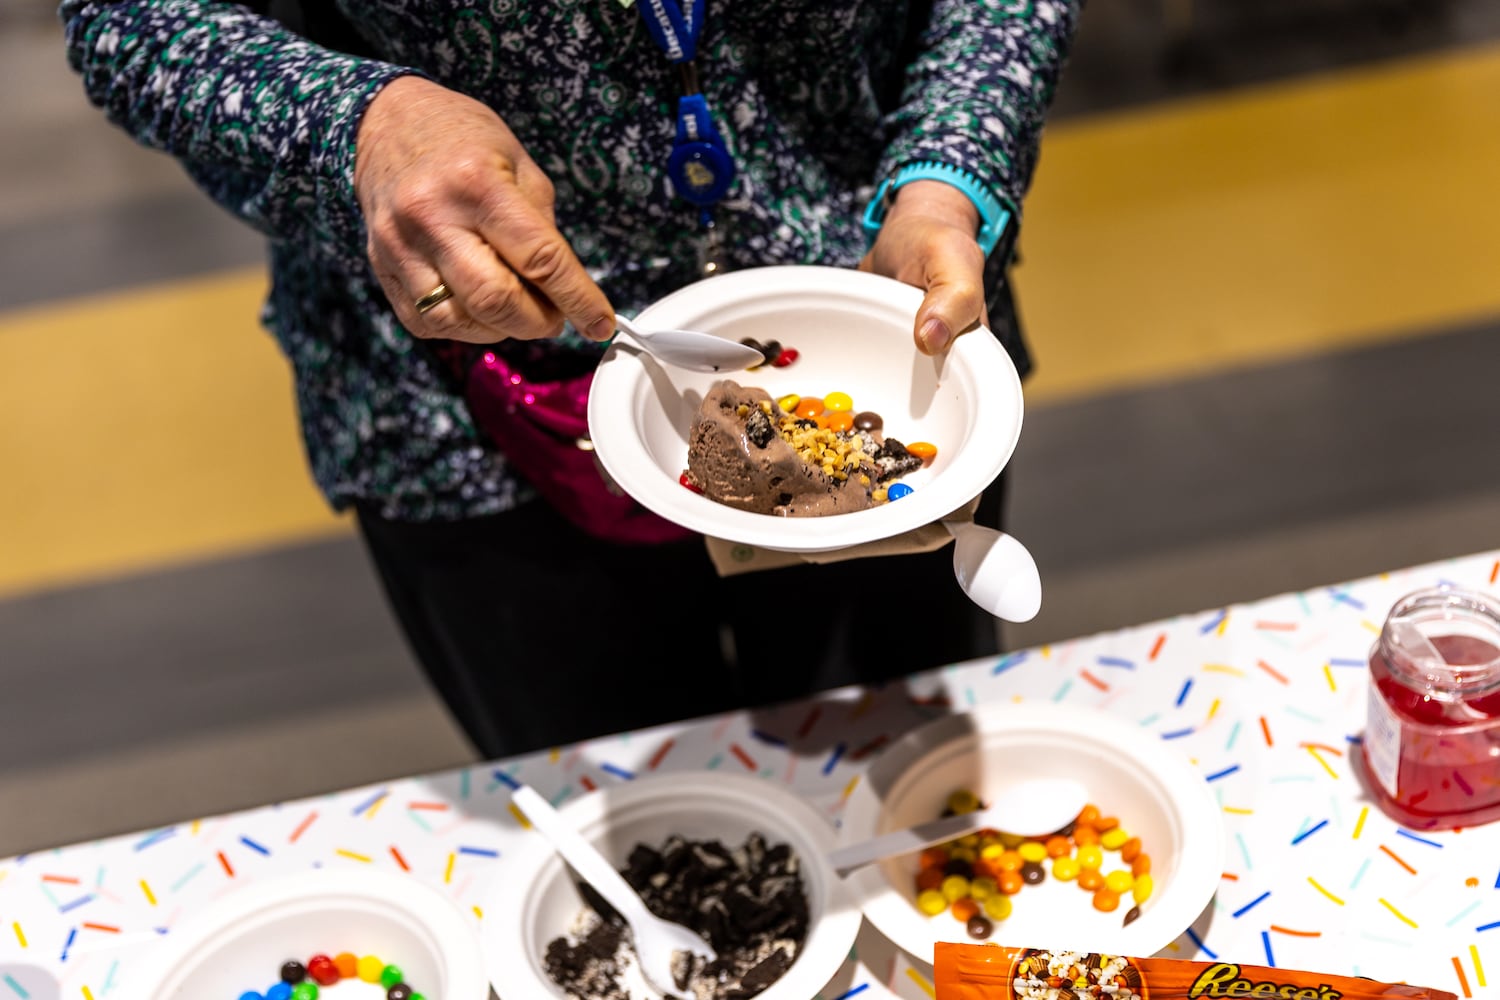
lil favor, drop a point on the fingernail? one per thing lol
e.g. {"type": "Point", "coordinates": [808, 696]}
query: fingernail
{"type": "Point", "coordinates": [935, 335]}
{"type": "Point", "coordinates": [601, 329]}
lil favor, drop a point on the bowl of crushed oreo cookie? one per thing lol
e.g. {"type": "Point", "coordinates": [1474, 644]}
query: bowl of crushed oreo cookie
{"type": "Point", "coordinates": [737, 859]}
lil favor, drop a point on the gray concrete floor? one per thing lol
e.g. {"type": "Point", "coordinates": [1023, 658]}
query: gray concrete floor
{"type": "Point", "coordinates": [280, 674]}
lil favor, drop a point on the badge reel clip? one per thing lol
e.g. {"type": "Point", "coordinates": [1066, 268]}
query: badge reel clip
{"type": "Point", "coordinates": [700, 165]}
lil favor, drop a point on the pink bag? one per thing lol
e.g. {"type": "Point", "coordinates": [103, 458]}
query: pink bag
{"type": "Point", "coordinates": [541, 427]}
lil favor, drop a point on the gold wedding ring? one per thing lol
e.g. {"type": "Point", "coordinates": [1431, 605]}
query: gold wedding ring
{"type": "Point", "coordinates": [442, 293]}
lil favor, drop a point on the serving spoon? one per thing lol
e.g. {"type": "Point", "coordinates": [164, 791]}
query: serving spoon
{"type": "Point", "coordinates": [996, 571]}
{"type": "Point", "coordinates": [1032, 808]}
{"type": "Point", "coordinates": [656, 940]}
{"type": "Point", "coordinates": [692, 349]}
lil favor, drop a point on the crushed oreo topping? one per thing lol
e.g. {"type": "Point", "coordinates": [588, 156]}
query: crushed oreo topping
{"type": "Point", "coordinates": [894, 461]}
{"type": "Point", "coordinates": [758, 428]}
{"type": "Point", "coordinates": [749, 903]}
{"type": "Point", "coordinates": [590, 967]}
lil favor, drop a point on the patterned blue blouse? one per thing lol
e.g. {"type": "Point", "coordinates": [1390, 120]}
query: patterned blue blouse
{"type": "Point", "coordinates": [817, 99]}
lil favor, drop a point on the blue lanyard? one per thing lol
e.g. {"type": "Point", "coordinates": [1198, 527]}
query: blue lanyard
{"type": "Point", "coordinates": [700, 166]}
{"type": "Point", "coordinates": [675, 29]}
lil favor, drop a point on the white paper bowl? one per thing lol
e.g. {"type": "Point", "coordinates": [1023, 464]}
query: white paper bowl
{"type": "Point", "coordinates": [523, 914]}
{"type": "Point", "coordinates": [854, 334]}
{"type": "Point", "coordinates": [240, 942]}
{"type": "Point", "coordinates": [1129, 773]}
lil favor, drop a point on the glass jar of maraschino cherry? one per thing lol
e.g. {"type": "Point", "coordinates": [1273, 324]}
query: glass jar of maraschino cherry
{"type": "Point", "coordinates": [1432, 738]}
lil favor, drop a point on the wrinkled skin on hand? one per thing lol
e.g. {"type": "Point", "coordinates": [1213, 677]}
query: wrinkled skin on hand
{"type": "Point", "coordinates": [450, 195]}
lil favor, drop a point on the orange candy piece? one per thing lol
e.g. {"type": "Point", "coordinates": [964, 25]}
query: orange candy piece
{"type": "Point", "coordinates": [934, 857]}
{"type": "Point", "coordinates": [924, 450]}
{"type": "Point", "coordinates": [809, 407]}
{"type": "Point", "coordinates": [929, 878]}
{"type": "Point", "coordinates": [347, 964]}
{"type": "Point", "coordinates": [965, 908]}
{"type": "Point", "coordinates": [1088, 816]}
{"type": "Point", "coordinates": [1058, 847]}
{"type": "Point", "coordinates": [1011, 882]}
{"type": "Point", "coordinates": [1106, 900]}
{"type": "Point", "coordinates": [1089, 879]}
{"type": "Point", "coordinates": [1104, 824]}
{"type": "Point", "coordinates": [1141, 865]}
{"type": "Point", "coordinates": [1130, 849]}
{"type": "Point", "coordinates": [1009, 861]}
{"type": "Point", "coordinates": [1085, 836]}
{"type": "Point", "coordinates": [841, 420]}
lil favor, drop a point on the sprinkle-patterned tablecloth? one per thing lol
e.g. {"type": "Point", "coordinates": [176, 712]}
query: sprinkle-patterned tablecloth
{"type": "Point", "coordinates": [1267, 699]}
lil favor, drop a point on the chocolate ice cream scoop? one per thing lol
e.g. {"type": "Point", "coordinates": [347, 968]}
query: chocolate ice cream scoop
{"type": "Point", "coordinates": [737, 456]}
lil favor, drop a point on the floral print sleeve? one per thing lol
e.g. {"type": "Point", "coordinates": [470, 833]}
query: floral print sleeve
{"type": "Point", "coordinates": [977, 93]}
{"type": "Point", "coordinates": [261, 119]}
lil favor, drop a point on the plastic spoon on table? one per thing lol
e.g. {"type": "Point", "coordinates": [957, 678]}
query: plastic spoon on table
{"type": "Point", "coordinates": [690, 349]}
{"type": "Point", "coordinates": [656, 940]}
{"type": "Point", "coordinates": [996, 571]}
{"type": "Point", "coordinates": [1033, 808]}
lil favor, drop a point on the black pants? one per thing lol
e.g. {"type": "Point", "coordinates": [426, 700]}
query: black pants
{"type": "Point", "coordinates": [536, 634]}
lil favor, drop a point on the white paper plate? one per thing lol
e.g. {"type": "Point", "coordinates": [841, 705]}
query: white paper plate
{"type": "Point", "coordinates": [854, 333]}
{"type": "Point", "coordinates": [534, 900]}
{"type": "Point", "coordinates": [1130, 774]}
{"type": "Point", "coordinates": [240, 942]}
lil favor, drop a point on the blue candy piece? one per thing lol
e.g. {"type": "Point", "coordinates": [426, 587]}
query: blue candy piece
{"type": "Point", "coordinates": [251, 995]}
{"type": "Point", "coordinates": [897, 491]}
{"type": "Point", "coordinates": [281, 991]}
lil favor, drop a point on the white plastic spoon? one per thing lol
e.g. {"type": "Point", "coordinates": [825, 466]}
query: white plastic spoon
{"type": "Point", "coordinates": [656, 940]}
{"type": "Point", "coordinates": [1031, 808]}
{"type": "Point", "coordinates": [996, 571]}
{"type": "Point", "coordinates": [690, 349]}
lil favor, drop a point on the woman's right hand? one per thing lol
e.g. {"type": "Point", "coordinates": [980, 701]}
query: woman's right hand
{"type": "Point", "coordinates": [450, 196]}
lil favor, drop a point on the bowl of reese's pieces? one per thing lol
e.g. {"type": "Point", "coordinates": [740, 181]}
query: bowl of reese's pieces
{"type": "Point", "coordinates": [1130, 874]}
{"type": "Point", "coordinates": [847, 435]}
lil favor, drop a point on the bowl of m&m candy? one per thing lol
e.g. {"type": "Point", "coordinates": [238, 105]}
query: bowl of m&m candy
{"type": "Point", "coordinates": [847, 435]}
{"type": "Point", "coordinates": [334, 935]}
{"type": "Point", "coordinates": [1136, 867]}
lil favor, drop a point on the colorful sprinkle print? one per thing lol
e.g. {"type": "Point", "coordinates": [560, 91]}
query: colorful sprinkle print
{"type": "Point", "coordinates": [1314, 878]}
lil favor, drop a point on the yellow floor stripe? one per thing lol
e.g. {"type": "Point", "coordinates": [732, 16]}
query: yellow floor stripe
{"type": "Point", "coordinates": [156, 426]}
{"type": "Point", "coordinates": [1268, 223]}
{"type": "Point", "coordinates": [143, 429]}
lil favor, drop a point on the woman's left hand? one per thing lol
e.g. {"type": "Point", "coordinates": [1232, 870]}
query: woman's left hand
{"type": "Point", "coordinates": [927, 240]}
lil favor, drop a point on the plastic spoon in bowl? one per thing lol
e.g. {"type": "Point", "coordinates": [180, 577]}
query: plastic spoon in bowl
{"type": "Point", "coordinates": [690, 349]}
{"type": "Point", "coordinates": [1033, 808]}
{"type": "Point", "coordinates": [996, 571]}
{"type": "Point", "coordinates": [656, 940]}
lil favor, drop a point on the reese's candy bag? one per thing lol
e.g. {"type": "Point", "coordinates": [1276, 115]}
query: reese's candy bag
{"type": "Point", "coordinates": [990, 972]}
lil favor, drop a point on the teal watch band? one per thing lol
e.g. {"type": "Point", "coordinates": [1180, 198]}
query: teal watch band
{"type": "Point", "coordinates": [993, 215]}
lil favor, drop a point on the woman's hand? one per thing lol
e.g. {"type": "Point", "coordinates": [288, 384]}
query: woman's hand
{"type": "Point", "coordinates": [450, 196]}
{"type": "Point", "coordinates": [927, 240]}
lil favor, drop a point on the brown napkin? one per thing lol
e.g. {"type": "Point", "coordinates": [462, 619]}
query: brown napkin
{"type": "Point", "coordinates": [732, 558]}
